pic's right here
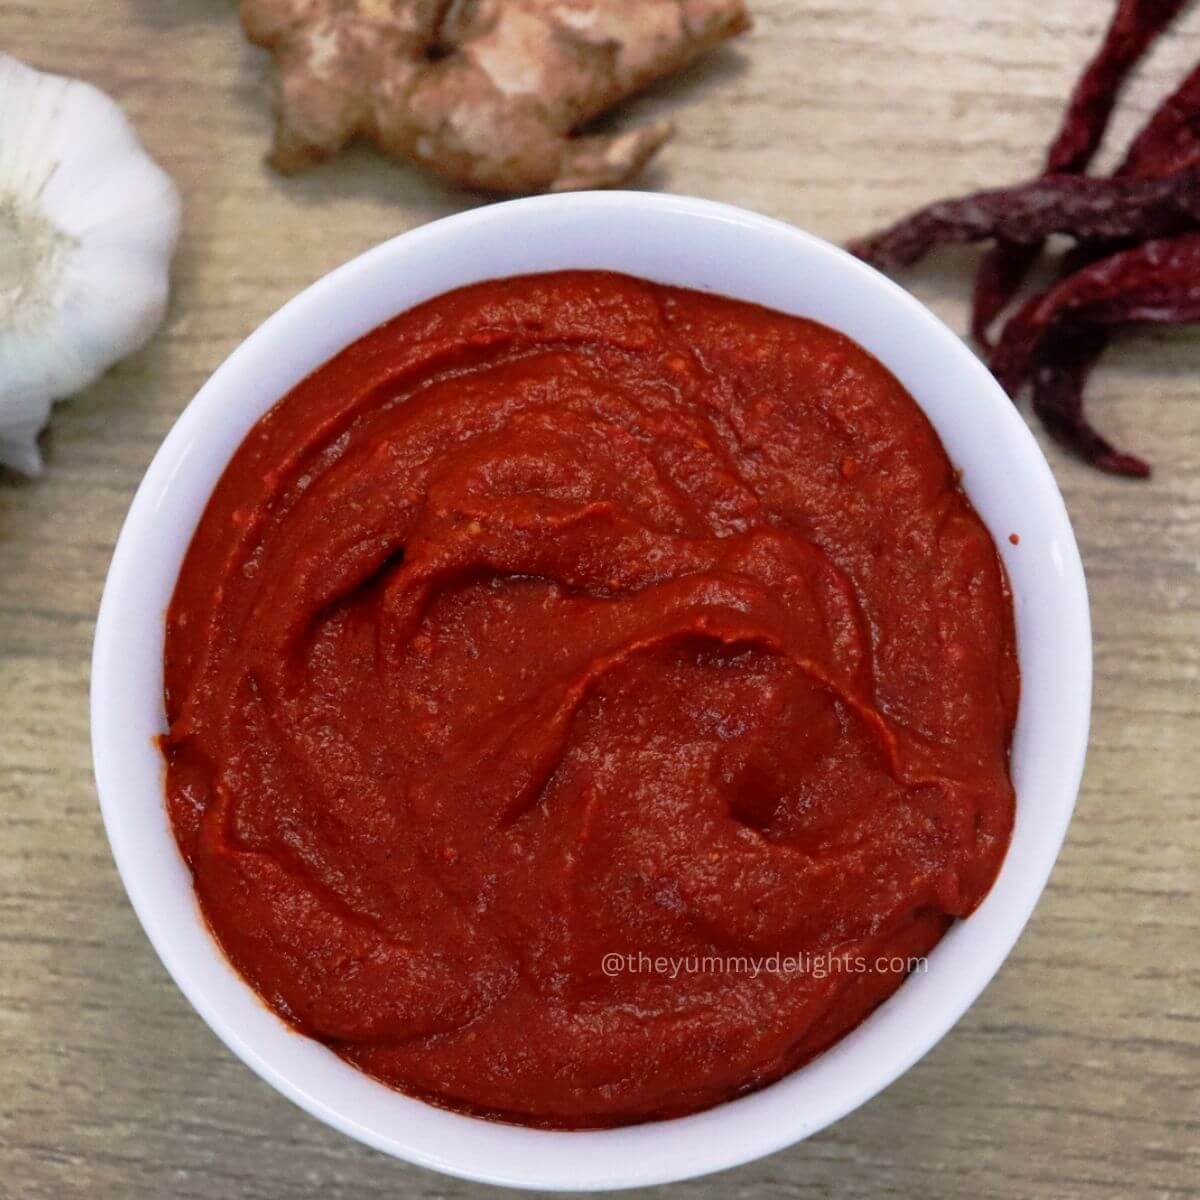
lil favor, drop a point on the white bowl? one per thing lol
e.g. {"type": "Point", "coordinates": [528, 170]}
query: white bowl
{"type": "Point", "coordinates": [691, 243]}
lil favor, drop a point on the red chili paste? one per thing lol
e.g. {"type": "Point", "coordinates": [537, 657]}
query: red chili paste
{"type": "Point", "coordinates": [574, 616]}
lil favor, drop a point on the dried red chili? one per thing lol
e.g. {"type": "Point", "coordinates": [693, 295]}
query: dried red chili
{"type": "Point", "coordinates": [1079, 205]}
{"type": "Point", "coordinates": [998, 278]}
{"type": "Point", "coordinates": [1170, 141]}
{"type": "Point", "coordinates": [1135, 25]}
{"type": "Point", "coordinates": [1157, 282]}
{"type": "Point", "coordinates": [1127, 266]}
{"type": "Point", "coordinates": [1058, 382]}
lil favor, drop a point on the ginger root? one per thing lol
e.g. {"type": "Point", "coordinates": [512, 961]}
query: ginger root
{"type": "Point", "coordinates": [487, 93]}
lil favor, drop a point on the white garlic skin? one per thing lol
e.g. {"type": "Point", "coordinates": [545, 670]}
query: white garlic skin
{"type": "Point", "coordinates": [88, 225]}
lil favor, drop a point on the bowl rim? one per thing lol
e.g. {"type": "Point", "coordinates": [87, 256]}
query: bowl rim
{"type": "Point", "coordinates": [516, 1156]}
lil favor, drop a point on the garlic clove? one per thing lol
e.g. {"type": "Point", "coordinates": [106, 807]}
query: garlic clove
{"type": "Point", "coordinates": [88, 225]}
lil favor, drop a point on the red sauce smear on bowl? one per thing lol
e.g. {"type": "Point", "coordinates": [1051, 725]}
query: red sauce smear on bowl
{"type": "Point", "coordinates": [569, 617]}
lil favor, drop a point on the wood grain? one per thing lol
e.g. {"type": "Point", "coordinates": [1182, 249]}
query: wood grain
{"type": "Point", "coordinates": [1075, 1075]}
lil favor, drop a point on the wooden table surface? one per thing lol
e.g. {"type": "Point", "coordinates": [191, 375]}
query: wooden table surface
{"type": "Point", "coordinates": [1076, 1073]}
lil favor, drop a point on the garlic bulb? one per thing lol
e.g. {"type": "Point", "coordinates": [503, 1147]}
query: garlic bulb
{"type": "Point", "coordinates": [88, 224]}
